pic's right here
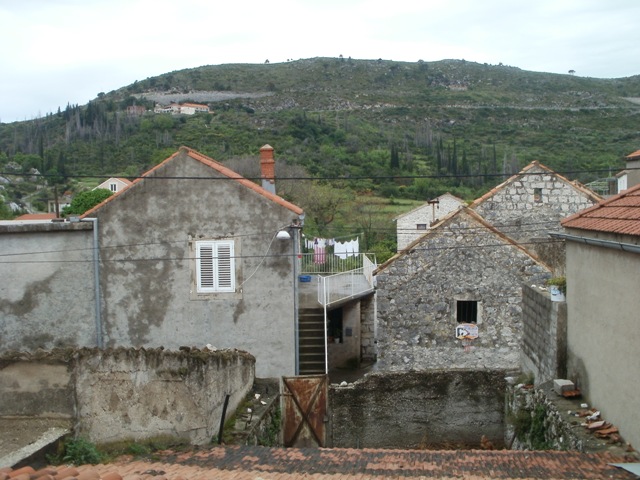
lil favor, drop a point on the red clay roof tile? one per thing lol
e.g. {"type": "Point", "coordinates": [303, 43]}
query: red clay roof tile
{"type": "Point", "coordinates": [220, 168]}
{"type": "Point", "coordinates": [247, 462]}
{"type": "Point", "coordinates": [619, 214]}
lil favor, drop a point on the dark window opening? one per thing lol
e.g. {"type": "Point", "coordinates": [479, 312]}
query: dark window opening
{"type": "Point", "coordinates": [421, 226]}
{"type": "Point", "coordinates": [467, 311]}
{"type": "Point", "coordinates": [537, 195]}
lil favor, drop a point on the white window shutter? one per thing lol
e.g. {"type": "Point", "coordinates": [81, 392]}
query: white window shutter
{"type": "Point", "coordinates": [226, 267]}
{"type": "Point", "coordinates": [215, 267]}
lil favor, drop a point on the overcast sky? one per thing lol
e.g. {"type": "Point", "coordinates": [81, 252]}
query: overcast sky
{"type": "Point", "coordinates": [54, 52]}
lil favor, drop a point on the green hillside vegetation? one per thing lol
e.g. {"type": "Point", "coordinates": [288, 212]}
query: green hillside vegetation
{"type": "Point", "coordinates": [362, 129]}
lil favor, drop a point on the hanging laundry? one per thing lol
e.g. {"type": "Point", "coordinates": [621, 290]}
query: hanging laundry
{"type": "Point", "coordinates": [340, 249]}
{"type": "Point", "coordinates": [319, 253]}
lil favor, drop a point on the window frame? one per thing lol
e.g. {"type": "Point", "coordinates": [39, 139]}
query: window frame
{"type": "Point", "coordinates": [478, 310]}
{"type": "Point", "coordinates": [220, 267]}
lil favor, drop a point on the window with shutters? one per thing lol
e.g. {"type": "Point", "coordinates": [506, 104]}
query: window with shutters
{"type": "Point", "coordinates": [215, 266]}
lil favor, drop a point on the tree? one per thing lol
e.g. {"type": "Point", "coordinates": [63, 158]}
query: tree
{"type": "Point", "coordinates": [84, 201]}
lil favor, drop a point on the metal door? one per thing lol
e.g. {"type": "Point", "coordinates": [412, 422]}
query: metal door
{"type": "Point", "coordinates": [304, 410]}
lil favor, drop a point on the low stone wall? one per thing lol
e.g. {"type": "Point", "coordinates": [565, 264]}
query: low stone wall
{"type": "Point", "coordinates": [129, 393]}
{"type": "Point", "coordinates": [431, 408]}
{"type": "Point", "coordinates": [544, 344]}
{"type": "Point", "coordinates": [538, 418]}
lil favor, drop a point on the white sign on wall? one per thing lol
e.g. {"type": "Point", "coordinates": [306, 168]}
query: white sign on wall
{"type": "Point", "coordinates": [467, 331]}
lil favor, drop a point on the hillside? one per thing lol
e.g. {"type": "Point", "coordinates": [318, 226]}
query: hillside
{"type": "Point", "coordinates": [396, 129]}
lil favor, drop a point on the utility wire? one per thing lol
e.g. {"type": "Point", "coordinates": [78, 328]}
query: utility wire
{"type": "Point", "coordinates": [512, 243]}
{"type": "Point", "coordinates": [342, 177]}
{"type": "Point", "coordinates": [464, 230]}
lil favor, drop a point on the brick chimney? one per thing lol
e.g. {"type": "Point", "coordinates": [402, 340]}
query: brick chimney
{"type": "Point", "coordinates": [268, 169]}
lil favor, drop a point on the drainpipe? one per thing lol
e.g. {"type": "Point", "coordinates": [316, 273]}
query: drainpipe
{"type": "Point", "coordinates": [625, 247]}
{"type": "Point", "coordinates": [96, 276]}
{"type": "Point", "coordinates": [295, 230]}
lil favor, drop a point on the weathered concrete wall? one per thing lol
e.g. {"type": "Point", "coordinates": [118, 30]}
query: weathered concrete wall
{"type": "Point", "coordinates": [406, 225]}
{"type": "Point", "coordinates": [47, 292]}
{"type": "Point", "coordinates": [602, 331]}
{"type": "Point", "coordinates": [544, 336]}
{"type": "Point", "coordinates": [126, 393]}
{"type": "Point", "coordinates": [461, 260]}
{"type": "Point", "coordinates": [151, 302]}
{"type": "Point", "coordinates": [40, 386]}
{"type": "Point", "coordinates": [419, 409]}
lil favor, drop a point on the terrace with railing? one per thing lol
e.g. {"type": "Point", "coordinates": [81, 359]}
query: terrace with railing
{"type": "Point", "coordinates": [339, 278]}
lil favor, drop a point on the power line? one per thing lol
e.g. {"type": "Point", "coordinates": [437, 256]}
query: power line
{"type": "Point", "coordinates": [506, 243]}
{"type": "Point", "coordinates": [268, 235]}
{"type": "Point", "coordinates": [309, 178]}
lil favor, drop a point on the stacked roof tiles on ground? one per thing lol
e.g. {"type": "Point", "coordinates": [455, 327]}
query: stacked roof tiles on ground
{"type": "Point", "coordinates": [247, 462]}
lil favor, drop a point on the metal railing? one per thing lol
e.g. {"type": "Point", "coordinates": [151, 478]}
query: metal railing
{"type": "Point", "coordinates": [346, 284]}
{"type": "Point", "coordinates": [328, 263]}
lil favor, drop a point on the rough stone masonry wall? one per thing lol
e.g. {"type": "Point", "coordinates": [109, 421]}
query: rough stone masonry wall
{"type": "Point", "coordinates": [514, 210]}
{"type": "Point", "coordinates": [128, 393]}
{"type": "Point", "coordinates": [418, 294]}
{"type": "Point", "coordinates": [368, 329]}
{"type": "Point", "coordinates": [544, 336]}
{"type": "Point", "coordinates": [419, 409]}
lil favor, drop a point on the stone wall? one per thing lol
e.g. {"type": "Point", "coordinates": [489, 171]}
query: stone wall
{"type": "Point", "coordinates": [544, 336]}
{"type": "Point", "coordinates": [418, 293]}
{"type": "Point", "coordinates": [418, 409]}
{"type": "Point", "coordinates": [530, 205]}
{"type": "Point", "coordinates": [368, 329]}
{"type": "Point", "coordinates": [128, 393]}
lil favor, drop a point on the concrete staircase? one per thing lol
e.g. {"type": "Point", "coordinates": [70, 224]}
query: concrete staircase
{"type": "Point", "coordinates": [311, 343]}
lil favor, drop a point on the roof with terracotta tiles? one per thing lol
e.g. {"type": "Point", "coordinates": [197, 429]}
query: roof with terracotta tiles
{"type": "Point", "coordinates": [634, 155]}
{"type": "Point", "coordinates": [619, 214]}
{"type": "Point", "coordinates": [249, 462]}
{"type": "Point", "coordinates": [216, 166]}
{"type": "Point", "coordinates": [527, 171]}
{"type": "Point", "coordinates": [36, 216]}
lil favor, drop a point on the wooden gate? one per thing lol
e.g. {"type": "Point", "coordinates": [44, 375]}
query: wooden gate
{"type": "Point", "coordinates": [304, 410]}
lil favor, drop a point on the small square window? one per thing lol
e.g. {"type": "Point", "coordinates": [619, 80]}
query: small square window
{"type": "Point", "coordinates": [421, 226]}
{"type": "Point", "coordinates": [113, 187]}
{"type": "Point", "coordinates": [467, 311]}
{"type": "Point", "coordinates": [537, 195]}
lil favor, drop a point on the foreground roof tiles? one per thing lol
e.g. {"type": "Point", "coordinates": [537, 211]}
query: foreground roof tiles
{"type": "Point", "coordinates": [246, 462]}
{"type": "Point", "coordinates": [619, 214]}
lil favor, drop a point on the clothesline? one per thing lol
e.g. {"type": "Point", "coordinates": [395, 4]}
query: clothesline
{"type": "Point", "coordinates": [340, 249]}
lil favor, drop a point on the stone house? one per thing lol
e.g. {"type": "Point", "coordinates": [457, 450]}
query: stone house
{"type": "Point", "coordinates": [452, 298]}
{"type": "Point", "coordinates": [185, 256]}
{"type": "Point", "coordinates": [603, 277]}
{"type": "Point", "coordinates": [530, 204]}
{"type": "Point", "coordinates": [412, 225]}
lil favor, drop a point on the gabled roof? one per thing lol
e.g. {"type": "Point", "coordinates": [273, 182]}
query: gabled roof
{"type": "Point", "coordinates": [216, 166]}
{"type": "Point", "coordinates": [447, 194]}
{"type": "Point", "coordinates": [633, 156]}
{"type": "Point", "coordinates": [527, 171]}
{"type": "Point", "coordinates": [447, 219]}
{"type": "Point", "coordinates": [618, 214]}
